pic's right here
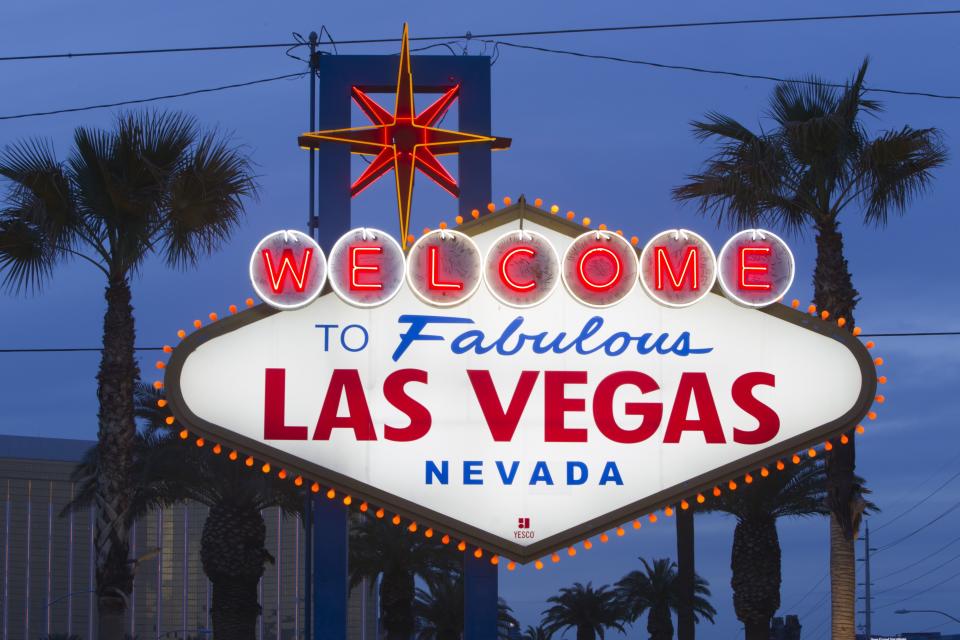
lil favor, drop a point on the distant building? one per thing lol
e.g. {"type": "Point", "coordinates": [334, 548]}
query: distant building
{"type": "Point", "coordinates": [787, 628]}
{"type": "Point", "coordinates": [47, 561]}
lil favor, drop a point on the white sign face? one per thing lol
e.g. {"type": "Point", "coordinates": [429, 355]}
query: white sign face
{"type": "Point", "coordinates": [521, 429]}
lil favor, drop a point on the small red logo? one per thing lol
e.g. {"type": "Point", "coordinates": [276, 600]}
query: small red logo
{"type": "Point", "coordinates": [523, 523]}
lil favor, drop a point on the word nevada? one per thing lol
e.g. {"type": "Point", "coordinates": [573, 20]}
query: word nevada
{"type": "Point", "coordinates": [521, 268]}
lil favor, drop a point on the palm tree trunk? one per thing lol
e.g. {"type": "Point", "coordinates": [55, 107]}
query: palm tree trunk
{"type": "Point", "coordinates": [233, 555]}
{"type": "Point", "coordinates": [843, 587]}
{"type": "Point", "coordinates": [397, 591]}
{"type": "Point", "coordinates": [585, 633]}
{"type": "Point", "coordinates": [117, 428]}
{"type": "Point", "coordinates": [834, 292]}
{"type": "Point", "coordinates": [660, 623]}
{"type": "Point", "coordinates": [755, 563]}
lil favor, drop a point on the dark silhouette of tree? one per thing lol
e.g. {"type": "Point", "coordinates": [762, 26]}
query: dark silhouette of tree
{"type": "Point", "coordinates": [655, 590]}
{"type": "Point", "coordinates": [153, 185]}
{"type": "Point", "coordinates": [590, 612]}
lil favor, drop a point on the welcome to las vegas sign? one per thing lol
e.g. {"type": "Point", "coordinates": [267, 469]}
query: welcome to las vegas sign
{"type": "Point", "coordinates": [519, 382]}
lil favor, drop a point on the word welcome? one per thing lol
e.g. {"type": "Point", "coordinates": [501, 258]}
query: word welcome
{"type": "Point", "coordinates": [367, 268]}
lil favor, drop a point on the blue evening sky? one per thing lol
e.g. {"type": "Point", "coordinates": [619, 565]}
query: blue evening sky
{"type": "Point", "coordinates": [603, 139]}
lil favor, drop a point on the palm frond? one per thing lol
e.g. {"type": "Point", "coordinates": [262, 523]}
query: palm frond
{"type": "Point", "coordinates": [27, 257]}
{"type": "Point", "coordinates": [207, 198]}
{"type": "Point", "coordinates": [897, 167]}
{"type": "Point", "coordinates": [721, 126]}
{"type": "Point", "coordinates": [745, 184]}
{"type": "Point", "coordinates": [803, 100]}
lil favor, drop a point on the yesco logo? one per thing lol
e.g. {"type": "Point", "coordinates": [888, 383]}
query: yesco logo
{"type": "Point", "coordinates": [521, 268]}
{"type": "Point", "coordinates": [523, 530]}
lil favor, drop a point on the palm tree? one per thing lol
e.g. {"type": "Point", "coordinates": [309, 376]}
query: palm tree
{"type": "Point", "coordinates": [817, 163]}
{"type": "Point", "coordinates": [167, 470]}
{"type": "Point", "coordinates": [380, 549]}
{"type": "Point", "coordinates": [656, 591]}
{"type": "Point", "coordinates": [154, 185]}
{"type": "Point", "coordinates": [587, 610]}
{"type": "Point", "coordinates": [797, 491]}
{"type": "Point", "coordinates": [439, 609]}
{"type": "Point", "coordinates": [535, 633]}
{"type": "Point", "coordinates": [506, 622]}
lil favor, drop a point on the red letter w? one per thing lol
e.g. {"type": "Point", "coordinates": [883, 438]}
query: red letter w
{"type": "Point", "coordinates": [287, 264]}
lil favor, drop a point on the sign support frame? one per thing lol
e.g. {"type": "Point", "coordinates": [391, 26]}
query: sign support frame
{"type": "Point", "coordinates": [327, 576]}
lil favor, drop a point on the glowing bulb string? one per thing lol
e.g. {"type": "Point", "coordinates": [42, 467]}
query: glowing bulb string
{"type": "Point", "coordinates": [412, 526]}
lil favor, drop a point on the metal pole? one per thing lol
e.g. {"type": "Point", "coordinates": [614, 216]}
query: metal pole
{"type": "Point", "coordinates": [311, 229]}
{"type": "Point", "coordinates": [479, 598]}
{"type": "Point", "coordinates": [312, 222]}
{"type": "Point", "coordinates": [307, 568]}
{"type": "Point", "coordinates": [686, 624]}
{"type": "Point", "coordinates": [868, 609]}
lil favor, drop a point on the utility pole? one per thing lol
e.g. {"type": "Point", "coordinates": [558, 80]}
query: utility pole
{"type": "Point", "coordinates": [867, 584]}
{"type": "Point", "coordinates": [312, 230]}
{"type": "Point", "coordinates": [314, 57]}
{"type": "Point", "coordinates": [686, 625]}
{"type": "Point", "coordinates": [866, 579]}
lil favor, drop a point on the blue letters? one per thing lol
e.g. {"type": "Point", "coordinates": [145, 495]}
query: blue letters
{"type": "Point", "coordinates": [442, 474]}
{"type": "Point", "coordinates": [611, 474]}
{"type": "Point", "coordinates": [510, 341]}
{"type": "Point", "coordinates": [541, 474]}
{"type": "Point", "coordinates": [508, 478]}
{"type": "Point", "coordinates": [472, 472]}
{"type": "Point", "coordinates": [574, 479]}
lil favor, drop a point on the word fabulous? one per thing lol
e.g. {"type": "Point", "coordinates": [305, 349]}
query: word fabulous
{"type": "Point", "coordinates": [521, 268]}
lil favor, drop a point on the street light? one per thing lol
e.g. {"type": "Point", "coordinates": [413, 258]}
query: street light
{"type": "Point", "coordinates": [943, 613]}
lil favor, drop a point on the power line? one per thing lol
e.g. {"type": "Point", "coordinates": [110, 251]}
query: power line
{"type": "Point", "coordinates": [910, 334]}
{"type": "Point", "coordinates": [926, 557]}
{"type": "Point", "coordinates": [70, 349]}
{"type": "Point", "coordinates": [73, 349]}
{"type": "Point", "coordinates": [718, 72]}
{"type": "Point", "coordinates": [154, 98]}
{"type": "Point", "coordinates": [917, 504]}
{"type": "Point", "coordinates": [919, 529]}
{"type": "Point", "coordinates": [920, 593]}
{"type": "Point", "coordinates": [807, 594]}
{"type": "Point", "coordinates": [506, 34]}
{"type": "Point", "coordinates": [922, 575]}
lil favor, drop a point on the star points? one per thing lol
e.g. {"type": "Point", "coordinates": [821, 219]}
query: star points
{"type": "Point", "coordinates": [403, 141]}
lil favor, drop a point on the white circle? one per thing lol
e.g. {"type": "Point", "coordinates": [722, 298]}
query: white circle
{"type": "Point", "coordinates": [722, 259]}
{"type": "Point", "coordinates": [475, 270]}
{"type": "Point", "coordinates": [333, 269]}
{"type": "Point", "coordinates": [606, 235]}
{"type": "Point", "coordinates": [288, 239]}
{"type": "Point", "coordinates": [705, 287]}
{"type": "Point", "coordinates": [554, 259]}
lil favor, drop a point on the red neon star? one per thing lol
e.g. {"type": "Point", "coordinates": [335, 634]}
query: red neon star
{"type": "Point", "coordinates": [402, 140]}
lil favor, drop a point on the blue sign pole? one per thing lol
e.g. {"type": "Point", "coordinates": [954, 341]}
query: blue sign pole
{"type": "Point", "coordinates": [479, 598]}
{"type": "Point", "coordinates": [336, 75]}
{"type": "Point", "coordinates": [330, 584]}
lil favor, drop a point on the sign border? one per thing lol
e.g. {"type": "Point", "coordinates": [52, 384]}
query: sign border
{"type": "Point", "coordinates": [524, 554]}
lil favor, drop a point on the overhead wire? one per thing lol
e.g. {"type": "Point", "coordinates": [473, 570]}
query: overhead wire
{"type": "Point", "coordinates": [919, 593]}
{"type": "Point", "coordinates": [503, 34]}
{"type": "Point", "coordinates": [915, 578]}
{"type": "Point", "coordinates": [918, 530]}
{"type": "Point", "coordinates": [719, 72]}
{"type": "Point", "coordinates": [182, 94]}
{"type": "Point", "coordinates": [72, 349]}
{"type": "Point", "coordinates": [920, 502]}
{"type": "Point", "coordinates": [924, 558]}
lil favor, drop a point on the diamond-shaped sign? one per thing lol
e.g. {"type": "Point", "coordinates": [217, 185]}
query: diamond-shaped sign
{"type": "Point", "coordinates": [522, 430]}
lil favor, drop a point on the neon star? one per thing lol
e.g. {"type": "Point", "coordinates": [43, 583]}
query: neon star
{"type": "Point", "coordinates": [403, 141]}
